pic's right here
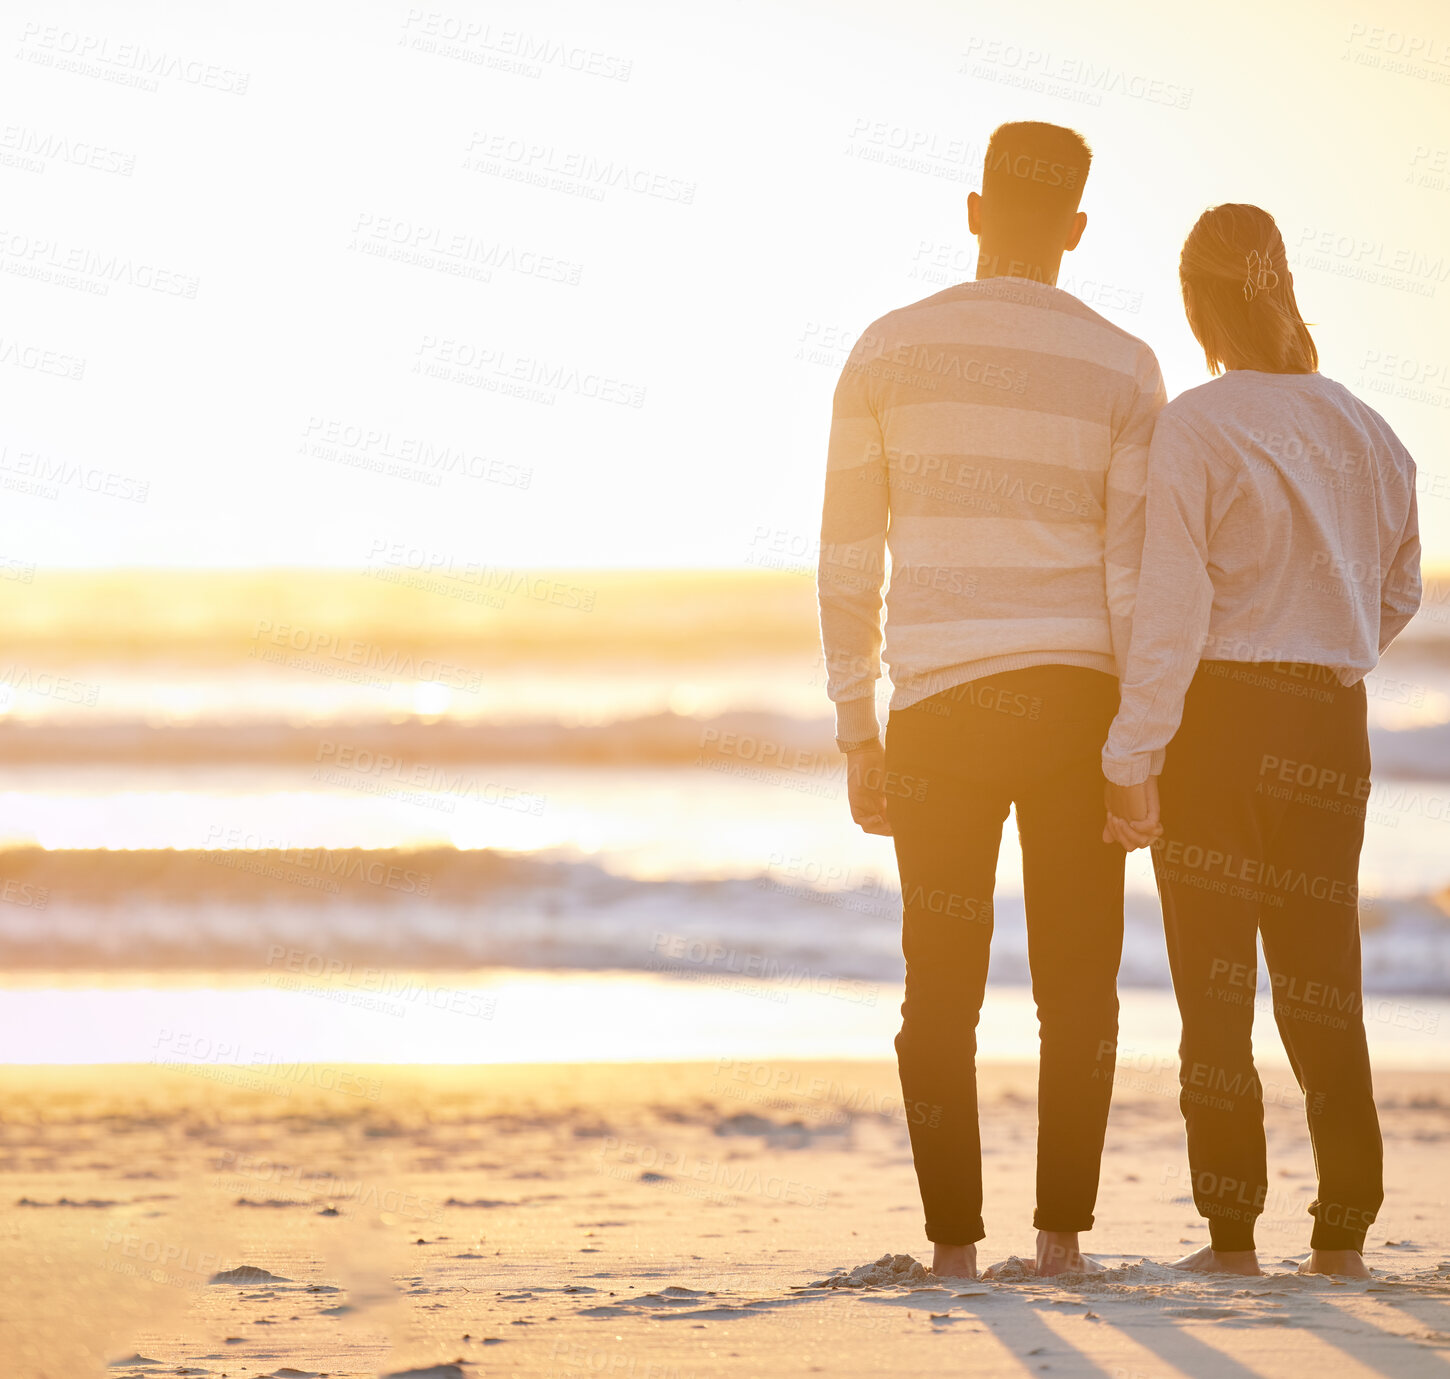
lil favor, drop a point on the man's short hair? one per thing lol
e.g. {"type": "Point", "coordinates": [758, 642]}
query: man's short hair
{"type": "Point", "coordinates": [1034, 172]}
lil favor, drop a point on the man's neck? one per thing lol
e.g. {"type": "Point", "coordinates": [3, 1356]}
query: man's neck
{"type": "Point", "coordinates": [1037, 267]}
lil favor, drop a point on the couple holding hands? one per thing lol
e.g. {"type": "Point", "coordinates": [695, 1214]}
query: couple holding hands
{"type": "Point", "coordinates": [1140, 623]}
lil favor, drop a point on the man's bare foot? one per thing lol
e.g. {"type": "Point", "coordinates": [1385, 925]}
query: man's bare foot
{"type": "Point", "coordinates": [1057, 1253]}
{"type": "Point", "coordinates": [954, 1261]}
{"type": "Point", "coordinates": [1344, 1263]}
{"type": "Point", "coordinates": [1211, 1261]}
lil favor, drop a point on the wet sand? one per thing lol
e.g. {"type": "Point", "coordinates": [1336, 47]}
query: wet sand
{"type": "Point", "coordinates": [649, 1220]}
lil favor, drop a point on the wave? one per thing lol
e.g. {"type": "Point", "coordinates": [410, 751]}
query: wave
{"type": "Point", "coordinates": [1412, 753]}
{"type": "Point", "coordinates": [313, 912]}
{"type": "Point", "coordinates": [746, 740]}
{"type": "Point", "coordinates": [760, 738]}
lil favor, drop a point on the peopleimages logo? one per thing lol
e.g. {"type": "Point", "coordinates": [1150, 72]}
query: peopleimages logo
{"type": "Point", "coordinates": [33, 149]}
{"type": "Point", "coordinates": [519, 375]}
{"type": "Point", "coordinates": [1069, 78]}
{"type": "Point", "coordinates": [548, 165]}
{"type": "Point", "coordinates": [243, 851]}
{"type": "Point", "coordinates": [509, 50]}
{"type": "Point", "coordinates": [311, 648]}
{"type": "Point", "coordinates": [442, 572]}
{"type": "Point", "coordinates": [359, 768]}
{"type": "Point", "coordinates": [48, 260]}
{"type": "Point", "coordinates": [130, 64]}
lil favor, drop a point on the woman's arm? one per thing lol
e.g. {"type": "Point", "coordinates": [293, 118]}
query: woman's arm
{"type": "Point", "coordinates": [1400, 590]}
{"type": "Point", "coordinates": [1175, 599]}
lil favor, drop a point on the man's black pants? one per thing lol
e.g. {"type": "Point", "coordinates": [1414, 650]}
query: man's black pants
{"type": "Point", "coordinates": [1263, 801]}
{"type": "Point", "coordinates": [1031, 738]}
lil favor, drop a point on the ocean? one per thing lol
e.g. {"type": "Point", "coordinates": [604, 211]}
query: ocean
{"type": "Point", "coordinates": [308, 804]}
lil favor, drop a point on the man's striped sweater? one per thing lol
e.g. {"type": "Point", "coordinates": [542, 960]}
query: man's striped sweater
{"type": "Point", "coordinates": [994, 437]}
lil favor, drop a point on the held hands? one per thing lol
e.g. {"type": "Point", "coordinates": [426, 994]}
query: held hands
{"type": "Point", "coordinates": [1132, 814]}
{"type": "Point", "coordinates": [1132, 810]}
{"type": "Point", "coordinates": [866, 788]}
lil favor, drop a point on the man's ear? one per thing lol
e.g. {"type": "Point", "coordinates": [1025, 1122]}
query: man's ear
{"type": "Point", "coordinates": [974, 213]}
{"type": "Point", "coordinates": [1079, 224]}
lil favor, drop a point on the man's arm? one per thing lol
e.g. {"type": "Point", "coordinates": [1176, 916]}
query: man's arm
{"type": "Point", "coordinates": [852, 569]}
{"type": "Point", "coordinates": [1126, 498]}
{"type": "Point", "coordinates": [853, 552]}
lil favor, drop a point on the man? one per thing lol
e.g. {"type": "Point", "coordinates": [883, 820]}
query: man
{"type": "Point", "coordinates": [995, 437]}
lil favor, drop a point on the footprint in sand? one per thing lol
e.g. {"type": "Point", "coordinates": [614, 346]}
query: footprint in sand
{"type": "Point", "coordinates": [666, 1297]}
{"type": "Point", "coordinates": [247, 1274]}
{"type": "Point", "coordinates": [91, 1202]}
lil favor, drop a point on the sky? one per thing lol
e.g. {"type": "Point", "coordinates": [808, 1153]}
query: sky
{"type": "Point", "coordinates": [569, 285]}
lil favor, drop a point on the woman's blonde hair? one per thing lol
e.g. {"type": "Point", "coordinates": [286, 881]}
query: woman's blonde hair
{"type": "Point", "coordinates": [1239, 295]}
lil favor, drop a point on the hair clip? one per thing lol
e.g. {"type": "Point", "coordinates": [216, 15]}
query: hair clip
{"type": "Point", "coordinates": [1259, 276]}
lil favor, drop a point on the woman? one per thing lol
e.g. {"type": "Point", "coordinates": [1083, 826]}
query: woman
{"type": "Point", "coordinates": [1281, 559]}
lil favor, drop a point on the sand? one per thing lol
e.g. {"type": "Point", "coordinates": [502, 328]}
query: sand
{"type": "Point", "coordinates": [654, 1222]}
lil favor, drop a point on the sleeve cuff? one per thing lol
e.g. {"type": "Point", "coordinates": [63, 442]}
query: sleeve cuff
{"type": "Point", "coordinates": [1134, 769]}
{"type": "Point", "coordinates": [856, 720]}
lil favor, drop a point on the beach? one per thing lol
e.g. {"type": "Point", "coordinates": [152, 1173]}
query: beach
{"type": "Point", "coordinates": [444, 994]}
{"type": "Point", "coordinates": [653, 1220]}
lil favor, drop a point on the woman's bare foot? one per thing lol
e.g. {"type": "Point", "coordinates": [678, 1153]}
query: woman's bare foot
{"type": "Point", "coordinates": [1057, 1253]}
{"type": "Point", "coordinates": [1344, 1263]}
{"type": "Point", "coordinates": [954, 1261]}
{"type": "Point", "coordinates": [1211, 1261]}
